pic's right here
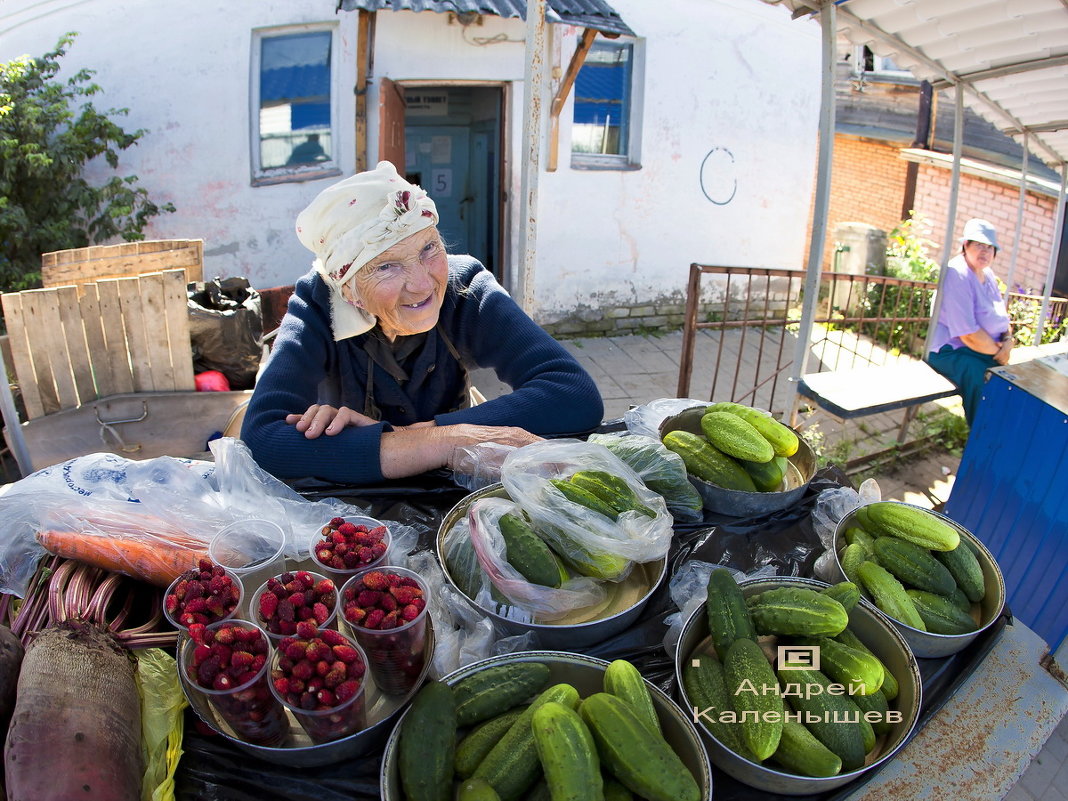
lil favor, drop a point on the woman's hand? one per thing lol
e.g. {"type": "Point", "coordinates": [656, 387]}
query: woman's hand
{"type": "Point", "coordinates": [1002, 356]}
{"type": "Point", "coordinates": [325, 419]}
{"type": "Point", "coordinates": [416, 449]}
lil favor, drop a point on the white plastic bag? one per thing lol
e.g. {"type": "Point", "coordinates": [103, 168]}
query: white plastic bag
{"type": "Point", "coordinates": [574, 531]}
{"type": "Point", "coordinates": [646, 419]}
{"type": "Point", "coordinates": [478, 466]}
{"type": "Point", "coordinates": [546, 603]}
{"type": "Point", "coordinates": [830, 507]}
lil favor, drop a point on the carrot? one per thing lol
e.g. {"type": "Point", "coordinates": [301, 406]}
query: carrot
{"type": "Point", "coordinates": [76, 729]}
{"type": "Point", "coordinates": [146, 557]}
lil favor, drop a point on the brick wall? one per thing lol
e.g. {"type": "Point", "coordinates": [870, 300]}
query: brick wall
{"type": "Point", "coordinates": [998, 203]}
{"type": "Point", "coordinates": [867, 185]}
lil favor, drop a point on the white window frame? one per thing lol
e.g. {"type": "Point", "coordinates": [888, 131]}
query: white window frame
{"type": "Point", "coordinates": [633, 158]}
{"type": "Point", "coordinates": [883, 68]}
{"type": "Point", "coordinates": [276, 175]}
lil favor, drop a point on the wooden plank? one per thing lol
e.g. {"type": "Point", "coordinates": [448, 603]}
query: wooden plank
{"type": "Point", "coordinates": [92, 325]}
{"type": "Point", "coordinates": [116, 349]}
{"type": "Point", "coordinates": [38, 339]}
{"type": "Point", "coordinates": [176, 313]}
{"type": "Point", "coordinates": [20, 354]}
{"type": "Point", "coordinates": [870, 390]}
{"type": "Point", "coordinates": [82, 265]}
{"type": "Point", "coordinates": [136, 333]}
{"type": "Point", "coordinates": [56, 344]}
{"type": "Point", "coordinates": [70, 316]}
{"type": "Point", "coordinates": [153, 308]}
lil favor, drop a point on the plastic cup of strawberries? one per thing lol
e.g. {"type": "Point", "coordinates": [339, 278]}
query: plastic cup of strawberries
{"type": "Point", "coordinates": [228, 663]}
{"type": "Point", "coordinates": [385, 610]}
{"type": "Point", "coordinates": [284, 601]}
{"type": "Point", "coordinates": [345, 545]}
{"type": "Point", "coordinates": [204, 594]}
{"type": "Point", "coordinates": [318, 675]}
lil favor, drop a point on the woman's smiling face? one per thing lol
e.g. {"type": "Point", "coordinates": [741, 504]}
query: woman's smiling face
{"type": "Point", "coordinates": [403, 286]}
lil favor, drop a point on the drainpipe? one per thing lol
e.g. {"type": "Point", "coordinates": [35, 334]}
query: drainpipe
{"type": "Point", "coordinates": [923, 139]}
{"type": "Point", "coordinates": [534, 80]}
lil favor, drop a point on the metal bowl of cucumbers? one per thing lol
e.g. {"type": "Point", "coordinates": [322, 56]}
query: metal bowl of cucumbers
{"type": "Point", "coordinates": [622, 605]}
{"type": "Point", "coordinates": [744, 487]}
{"type": "Point", "coordinates": [814, 735]}
{"type": "Point", "coordinates": [507, 759]}
{"type": "Point", "coordinates": [932, 577]}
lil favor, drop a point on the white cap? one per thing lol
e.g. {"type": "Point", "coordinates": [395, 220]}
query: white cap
{"type": "Point", "coordinates": [976, 230]}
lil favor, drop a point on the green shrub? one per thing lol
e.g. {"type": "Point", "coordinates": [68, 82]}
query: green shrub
{"type": "Point", "coordinates": [49, 132]}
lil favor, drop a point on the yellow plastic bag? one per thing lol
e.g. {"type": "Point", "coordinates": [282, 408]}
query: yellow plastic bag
{"type": "Point", "coordinates": [162, 704]}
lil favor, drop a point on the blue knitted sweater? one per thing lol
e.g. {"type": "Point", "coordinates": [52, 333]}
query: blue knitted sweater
{"type": "Point", "coordinates": [551, 394]}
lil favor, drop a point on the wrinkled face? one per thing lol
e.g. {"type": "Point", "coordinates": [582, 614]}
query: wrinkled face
{"type": "Point", "coordinates": [979, 255]}
{"type": "Point", "coordinates": [404, 286]}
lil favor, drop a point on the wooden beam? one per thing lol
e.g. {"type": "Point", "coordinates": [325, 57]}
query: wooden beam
{"type": "Point", "coordinates": [577, 60]}
{"type": "Point", "coordinates": [364, 45]}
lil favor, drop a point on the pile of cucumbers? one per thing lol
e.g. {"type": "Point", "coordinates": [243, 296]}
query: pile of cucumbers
{"type": "Point", "coordinates": [914, 566]}
{"type": "Point", "coordinates": [506, 733]}
{"type": "Point", "coordinates": [818, 731]}
{"type": "Point", "coordinates": [740, 448]}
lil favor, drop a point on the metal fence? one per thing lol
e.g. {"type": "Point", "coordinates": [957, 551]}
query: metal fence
{"type": "Point", "coordinates": [740, 330]}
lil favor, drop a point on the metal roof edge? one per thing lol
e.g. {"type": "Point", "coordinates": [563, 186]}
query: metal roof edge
{"type": "Point", "coordinates": [978, 169]}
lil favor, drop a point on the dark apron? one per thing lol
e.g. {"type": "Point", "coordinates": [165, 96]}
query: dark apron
{"type": "Point", "coordinates": [464, 401]}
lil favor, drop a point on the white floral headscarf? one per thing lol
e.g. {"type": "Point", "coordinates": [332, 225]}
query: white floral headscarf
{"type": "Point", "coordinates": [353, 221]}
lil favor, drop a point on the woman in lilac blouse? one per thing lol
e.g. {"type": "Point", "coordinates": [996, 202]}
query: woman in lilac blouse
{"type": "Point", "coordinates": [973, 331]}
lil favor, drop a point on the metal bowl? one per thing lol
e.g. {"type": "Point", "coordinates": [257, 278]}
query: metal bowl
{"type": "Point", "coordinates": [299, 751]}
{"type": "Point", "coordinates": [622, 606]}
{"type": "Point", "coordinates": [738, 503]}
{"type": "Point", "coordinates": [585, 674]}
{"type": "Point", "coordinates": [924, 643]}
{"type": "Point", "coordinates": [875, 631]}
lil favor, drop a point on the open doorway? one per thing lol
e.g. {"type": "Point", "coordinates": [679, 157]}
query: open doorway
{"type": "Point", "coordinates": [452, 148]}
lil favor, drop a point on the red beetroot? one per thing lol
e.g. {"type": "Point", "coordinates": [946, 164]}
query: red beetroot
{"type": "Point", "coordinates": [204, 594]}
{"type": "Point", "coordinates": [294, 598]}
{"type": "Point", "coordinates": [349, 546]}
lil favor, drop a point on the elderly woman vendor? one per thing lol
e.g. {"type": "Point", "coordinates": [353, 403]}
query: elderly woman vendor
{"type": "Point", "coordinates": [368, 377]}
{"type": "Point", "coordinates": [973, 331]}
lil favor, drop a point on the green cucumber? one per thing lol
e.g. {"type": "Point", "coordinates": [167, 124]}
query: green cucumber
{"type": "Point", "coordinates": [889, 595]}
{"type": "Point", "coordinates": [828, 717]}
{"type": "Point", "coordinates": [427, 744]}
{"type": "Point", "coordinates": [623, 680]}
{"type": "Point", "coordinates": [736, 437]}
{"type": "Point", "coordinates": [747, 673]}
{"type": "Point", "coordinates": [706, 689]}
{"type": "Point", "coordinates": [726, 611]}
{"type": "Point", "coordinates": [613, 490]}
{"type": "Point", "coordinates": [918, 526]}
{"type": "Point", "coordinates": [941, 615]}
{"type": "Point", "coordinates": [913, 565]}
{"type": "Point", "coordinates": [800, 752]}
{"type": "Point", "coordinates": [962, 563]}
{"type": "Point", "coordinates": [496, 689]}
{"type": "Point", "coordinates": [875, 708]}
{"type": "Point", "coordinates": [472, 749]}
{"type": "Point", "coordinates": [890, 686]}
{"type": "Point", "coordinates": [799, 611]}
{"type": "Point", "coordinates": [583, 497]}
{"type": "Point", "coordinates": [845, 592]}
{"type": "Point", "coordinates": [567, 753]}
{"type": "Point", "coordinates": [848, 666]}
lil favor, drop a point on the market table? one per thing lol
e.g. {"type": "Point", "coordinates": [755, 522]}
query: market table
{"type": "Point", "coordinates": [949, 742]}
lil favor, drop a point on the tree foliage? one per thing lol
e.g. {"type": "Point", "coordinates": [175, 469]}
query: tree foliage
{"type": "Point", "coordinates": [49, 132]}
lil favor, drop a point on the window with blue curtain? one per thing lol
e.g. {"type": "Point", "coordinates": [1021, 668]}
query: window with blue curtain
{"type": "Point", "coordinates": [294, 93]}
{"type": "Point", "coordinates": [603, 89]}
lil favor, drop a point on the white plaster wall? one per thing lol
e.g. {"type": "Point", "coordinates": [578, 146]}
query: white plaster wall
{"type": "Point", "coordinates": [736, 79]}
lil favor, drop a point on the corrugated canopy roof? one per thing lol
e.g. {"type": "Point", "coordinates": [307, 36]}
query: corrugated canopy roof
{"type": "Point", "coordinates": [1010, 55]}
{"type": "Point", "coordinates": [594, 14]}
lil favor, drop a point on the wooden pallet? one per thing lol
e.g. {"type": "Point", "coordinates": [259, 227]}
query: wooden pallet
{"type": "Point", "coordinates": [71, 345]}
{"type": "Point", "coordinates": [79, 266]}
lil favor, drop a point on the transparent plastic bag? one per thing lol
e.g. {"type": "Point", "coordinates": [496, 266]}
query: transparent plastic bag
{"type": "Point", "coordinates": [689, 589]}
{"type": "Point", "coordinates": [478, 466]}
{"type": "Point", "coordinates": [646, 419]}
{"type": "Point", "coordinates": [544, 603]}
{"type": "Point", "coordinates": [662, 470]}
{"type": "Point", "coordinates": [831, 506]}
{"type": "Point", "coordinates": [576, 533]}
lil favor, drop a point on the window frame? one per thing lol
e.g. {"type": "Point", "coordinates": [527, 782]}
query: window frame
{"type": "Point", "coordinates": [632, 159]}
{"type": "Point", "coordinates": [275, 175]}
